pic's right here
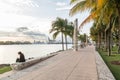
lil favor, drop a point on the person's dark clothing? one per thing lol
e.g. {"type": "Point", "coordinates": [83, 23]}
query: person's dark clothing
{"type": "Point", "coordinates": [17, 60]}
{"type": "Point", "coordinates": [21, 59]}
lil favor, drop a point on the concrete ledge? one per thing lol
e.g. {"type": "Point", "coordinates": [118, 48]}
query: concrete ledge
{"type": "Point", "coordinates": [103, 71]}
{"type": "Point", "coordinates": [22, 65]}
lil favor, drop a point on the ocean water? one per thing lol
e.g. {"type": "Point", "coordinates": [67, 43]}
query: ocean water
{"type": "Point", "coordinates": [8, 53]}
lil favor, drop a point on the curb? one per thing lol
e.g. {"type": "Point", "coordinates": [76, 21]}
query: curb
{"type": "Point", "coordinates": [103, 71]}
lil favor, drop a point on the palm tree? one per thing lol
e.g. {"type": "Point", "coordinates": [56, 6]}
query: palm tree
{"type": "Point", "coordinates": [93, 33]}
{"type": "Point", "coordinates": [65, 31]}
{"type": "Point", "coordinates": [100, 10]}
{"type": "Point", "coordinates": [57, 28]}
{"type": "Point", "coordinates": [64, 27]}
{"type": "Point", "coordinates": [82, 38]}
{"type": "Point", "coordinates": [69, 29]}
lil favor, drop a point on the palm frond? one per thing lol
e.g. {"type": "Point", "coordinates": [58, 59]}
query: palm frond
{"type": "Point", "coordinates": [88, 19]}
{"type": "Point", "coordinates": [51, 30]}
{"type": "Point", "coordinates": [55, 34]}
{"type": "Point", "coordinates": [77, 8]}
{"type": "Point", "coordinates": [100, 3]}
{"type": "Point", "coordinates": [107, 27]}
{"type": "Point", "coordinates": [73, 1]}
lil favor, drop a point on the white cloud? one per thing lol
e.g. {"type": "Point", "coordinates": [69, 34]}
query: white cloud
{"type": "Point", "coordinates": [9, 21]}
{"type": "Point", "coordinates": [43, 25]}
{"type": "Point", "coordinates": [63, 8]}
{"type": "Point", "coordinates": [5, 8]}
{"type": "Point", "coordinates": [22, 3]}
{"type": "Point", "coordinates": [61, 4]}
{"type": "Point", "coordinates": [16, 6]}
{"type": "Point", "coordinates": [11, 13]}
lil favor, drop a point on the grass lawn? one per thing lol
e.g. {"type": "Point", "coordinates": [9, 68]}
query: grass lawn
{"type": "Point", "coordinates": [5, 69]}
{"type": "Point", "coordinates": [115, 69]}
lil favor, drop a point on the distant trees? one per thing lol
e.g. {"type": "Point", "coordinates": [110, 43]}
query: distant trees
{"type": "Point", "coordinates": [14, 42]}
{"type": "Point", "coordinates": [83, 38]}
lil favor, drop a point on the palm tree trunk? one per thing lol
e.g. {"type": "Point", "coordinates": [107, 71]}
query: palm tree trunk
{"type": "Point", "coordinates": [62, 42]}
{"type": "Point", "coordinates": [66, 41]}
{"type": "Point", "coordinates": [109, 36]}
{"type": "Point", "coordinates": [96, 44]}
{"type": "Point", "coordinates": [119, 36]}
{"type": "Point", "coordinates": [86, 42]}
{"type": "Point", "coordinates": [119, 41]}
{"type": "Point", "coordinates": [101, 41]}
{"type": "Point", "coordinates": [119, 32]}
{"type": "Point", "coordinates": [109, 48]}
{"type": "Point", "coordinates": [98, 40]}
{"type": "Point", "coordinates": [118, 8]}
{"type": "Point", "coordinates": [106, 40]}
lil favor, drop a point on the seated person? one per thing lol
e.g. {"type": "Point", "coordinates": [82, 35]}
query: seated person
{"type": "Point", "coordinates": [21, 57]}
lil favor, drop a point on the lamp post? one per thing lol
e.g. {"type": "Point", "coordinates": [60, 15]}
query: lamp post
{"type": "Point", "coordinates": [75, 37]}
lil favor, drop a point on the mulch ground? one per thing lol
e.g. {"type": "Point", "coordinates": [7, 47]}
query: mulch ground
{"type": "Point", "coordinates": [3, 65]}
{"type": "Point", "coordinates": [115, 62]}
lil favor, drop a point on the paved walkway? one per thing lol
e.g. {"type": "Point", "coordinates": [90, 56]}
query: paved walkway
{"type": "Point", "coordinates": [70, 65]}
{"type": "Point", "coordinates": [67, 65]}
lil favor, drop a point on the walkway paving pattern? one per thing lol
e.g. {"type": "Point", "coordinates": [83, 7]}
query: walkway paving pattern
{"type": "Point", "coordinates": [67, 65]}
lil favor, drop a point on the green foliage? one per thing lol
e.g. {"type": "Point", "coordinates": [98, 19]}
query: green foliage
{"type": "Point", "coordinates": [70, 30]}
{"type": "Point", "coordinates": [115, 69]}
{"type": "Point", "coordinates": [93, 33]}
{"type": "Point", "coordinates": [103, 12]}
{"type": "Point", "coordinates": [106, 16]}
{"type": "Point", "coordinates": [115, 48]}
{"type": "Point", "coordinates": [5, 69]}
{"type": "Point", "coordinates": [62, 26]}
{"type": "Point", "coordinates": [82, 38]}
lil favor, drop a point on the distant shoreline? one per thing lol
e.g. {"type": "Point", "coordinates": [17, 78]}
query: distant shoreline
{"type": "Point", "coordinates": [3, 65]}
{"type": "Point", "coordinates": [33, 43]}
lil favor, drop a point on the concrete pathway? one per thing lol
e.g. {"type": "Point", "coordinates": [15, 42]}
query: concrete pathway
{"type": "Point", "coordinates": [67, 65]}
{"type": "Point", "coordinates": [71, 66]}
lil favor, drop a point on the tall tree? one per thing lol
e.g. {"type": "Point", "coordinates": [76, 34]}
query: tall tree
{"type": "Point", "coordinates": [70, 30]}
{"type": "Point", "coordinates": [57, 28]}
{"type": "Point", "coordinates": [102, 12]}
{"type": "Point", "coordinates": [65, 31]}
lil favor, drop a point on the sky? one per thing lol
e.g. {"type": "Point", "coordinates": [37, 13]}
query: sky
{"type": "Point", "coordinates": [37, 15]}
